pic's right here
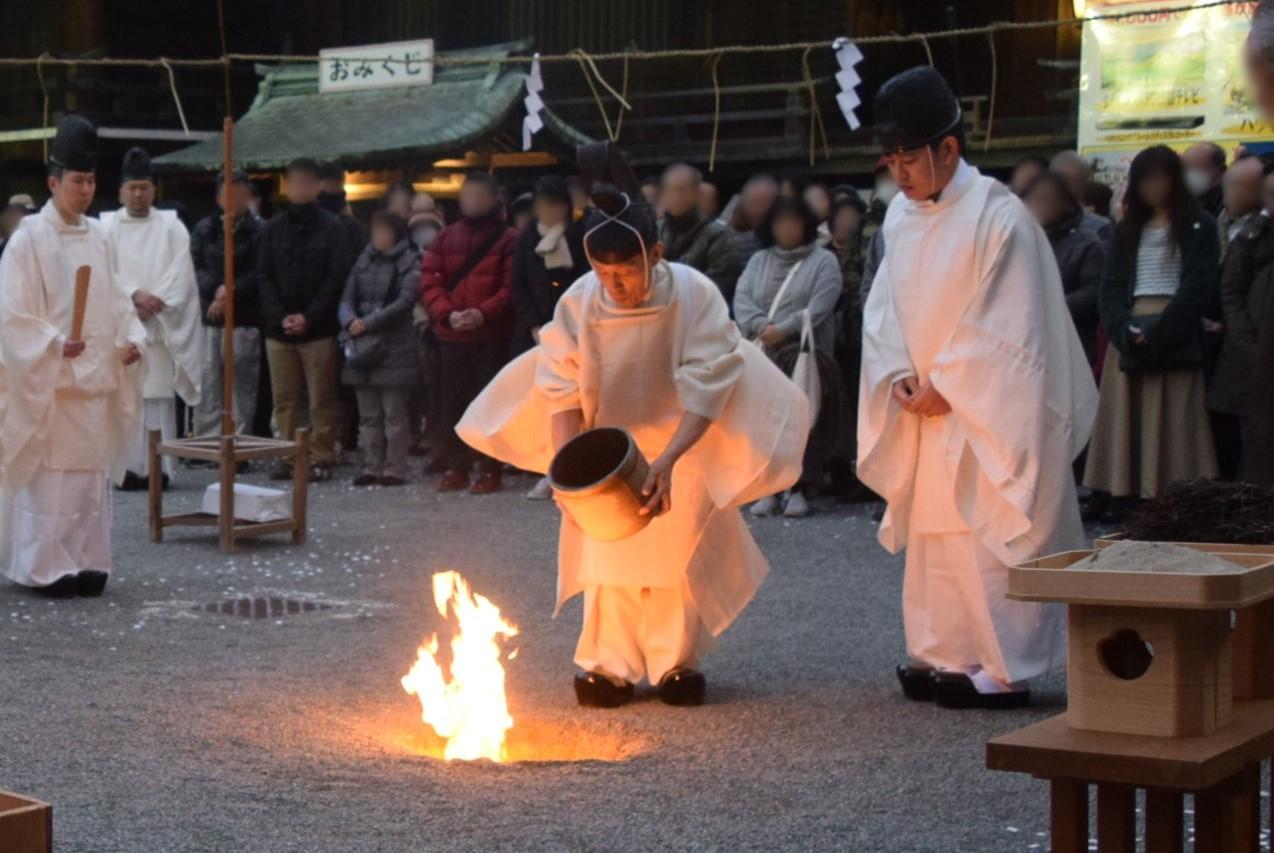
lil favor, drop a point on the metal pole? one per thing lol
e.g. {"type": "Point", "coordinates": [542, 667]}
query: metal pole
{"type": "Point", "coordinates": [227, 359]}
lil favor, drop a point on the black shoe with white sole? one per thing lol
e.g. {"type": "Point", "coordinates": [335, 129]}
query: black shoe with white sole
{"type": "Point", "coordinates": [956, 691]}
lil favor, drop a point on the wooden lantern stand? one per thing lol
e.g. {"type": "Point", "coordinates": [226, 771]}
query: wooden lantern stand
{"type": "Point", "coordinates": [1163, 697]}
{"type": "Point", "coordinates": [231, 448]}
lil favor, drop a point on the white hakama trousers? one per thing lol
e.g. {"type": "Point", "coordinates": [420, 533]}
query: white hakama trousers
{"type": "Point", "coordinates": [160, 414]}
{"type": "Point", "coordinates": [631, 632]}
{"type": "Point", "coordinates": [958, 618]}
{"type": "Point", "coordinates": [58, 524]}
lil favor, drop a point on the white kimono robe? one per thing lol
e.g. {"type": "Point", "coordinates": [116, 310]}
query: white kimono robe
{"type": "Point", "coordinates": [641, 369]}
{"type": "Point", "coordinates": [152, 253]}
{"type": "Point", "coordinates": [64, 423]}
{"type": "Point", "coordinates": [969, 298]}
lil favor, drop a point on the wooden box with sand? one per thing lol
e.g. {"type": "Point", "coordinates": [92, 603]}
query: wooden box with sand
{"type": "Point", "coordinates": [1150, 648]}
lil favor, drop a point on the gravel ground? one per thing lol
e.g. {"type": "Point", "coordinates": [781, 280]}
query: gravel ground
{"type": "Point", "coordinates": [151, 727]}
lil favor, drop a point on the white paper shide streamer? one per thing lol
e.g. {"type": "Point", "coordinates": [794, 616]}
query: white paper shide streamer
{"type": "Point", "coordinates": [847, 56]}
{"type": "Point", "coordinates": [532, 124]}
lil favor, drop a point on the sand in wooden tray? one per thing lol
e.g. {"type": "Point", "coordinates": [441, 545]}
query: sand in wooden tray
{"type": "Point", "coordinates": [1133, 556]}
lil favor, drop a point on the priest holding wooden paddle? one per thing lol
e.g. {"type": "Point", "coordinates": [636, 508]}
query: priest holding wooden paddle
{"type": "Point", "coordinates": [70, 382]}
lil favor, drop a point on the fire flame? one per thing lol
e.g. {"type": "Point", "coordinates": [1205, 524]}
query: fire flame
{"type": "Point", "coordinates": [470, 709]}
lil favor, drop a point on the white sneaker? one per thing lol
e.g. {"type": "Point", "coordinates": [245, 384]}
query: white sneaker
{"type": "Point", "coordinates": [765, 506]}
{"type": "Point", "coordinates": [541, 491]}
{"type": "Point", "coordinates": [797, 506]}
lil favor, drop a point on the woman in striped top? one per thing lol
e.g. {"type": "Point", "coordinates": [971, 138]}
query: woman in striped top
{"type": "Point", "coordinates": [1161, 276]}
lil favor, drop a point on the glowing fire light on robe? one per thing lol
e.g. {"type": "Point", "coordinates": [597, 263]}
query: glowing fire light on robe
{"type": "Point", "coordinates": [469, 709]}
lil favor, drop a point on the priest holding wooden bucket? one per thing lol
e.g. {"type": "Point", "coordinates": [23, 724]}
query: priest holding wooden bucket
{"type": "Point", "coordinates": [648, 346]}
{"type": "Point", "coordinates": [70, 382]}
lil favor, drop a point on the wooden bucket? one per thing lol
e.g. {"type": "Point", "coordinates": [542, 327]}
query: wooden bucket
{"type": "Point", "coordinates": [597, 477]}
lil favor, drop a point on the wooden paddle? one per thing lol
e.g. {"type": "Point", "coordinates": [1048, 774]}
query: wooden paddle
{"type": "Point", "coordinates": [81, 302]}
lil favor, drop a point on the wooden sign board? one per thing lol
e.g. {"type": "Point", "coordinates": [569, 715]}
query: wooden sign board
{"type": "Point", "coordinates": [26, 825]}
{"type": "Point", "coordinates": [376, 66]}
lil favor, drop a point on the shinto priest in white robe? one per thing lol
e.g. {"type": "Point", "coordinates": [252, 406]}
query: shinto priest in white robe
{"type": "Point", "coordinates": [152, 253]}
{"type": "Point", "coordinates": [64, 423]}
{"type": "Point", "coordinates": [969, 298]}
{"type": "Point", "coordinates": [653, 602]}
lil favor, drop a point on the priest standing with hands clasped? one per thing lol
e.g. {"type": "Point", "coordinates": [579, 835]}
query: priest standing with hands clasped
{"type": "Point", "coordinates": [975, 399]}
{"type": "Point", "coordinates": [154, 266]}
{"type": "Point", "coordinates": [68, 407]}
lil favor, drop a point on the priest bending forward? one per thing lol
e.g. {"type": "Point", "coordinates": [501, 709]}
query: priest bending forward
{"type": "Point", "coordinates": [975, 399]}
{"type": "Point", "coordinates": [648, 346]}
{"type": "Point", "coordinates": [67, 408]}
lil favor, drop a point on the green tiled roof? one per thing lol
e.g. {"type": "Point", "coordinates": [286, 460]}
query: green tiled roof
{"type": "Point", "coordinates": [291, 119]}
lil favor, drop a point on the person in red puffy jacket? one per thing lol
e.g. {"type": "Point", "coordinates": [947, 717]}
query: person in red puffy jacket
{"type": "Point", "coordinates": [465, 290]}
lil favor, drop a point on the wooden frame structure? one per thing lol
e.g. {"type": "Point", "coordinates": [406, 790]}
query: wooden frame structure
{"type": "Point", "coordinates": [227, 452]}
{"type": "Point", "coordinates": [230, 449]}
{"type": "Point", "coordinates": [1220, 769]}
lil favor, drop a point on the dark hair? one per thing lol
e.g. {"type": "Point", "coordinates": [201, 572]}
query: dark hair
{"type": "Point", "coordinates": [56, 171]}
{"type": "Point", "coordinates": [611, 242]}
{"type": "Point", "coordinates": [304, 164]}
{"type": "Point", "coordinates": [554, 188]}
{"type": "Point", "coordinates": [330, 170]}
{"type": "Point", "coordinates": [850, 199]}
{"type": "Point", "coordinates": [650, 181]}
{"type": "Point", "coordinates": [1182, 208]}
{"type": "Point", "coordinates": [1059, 185]}
{"type": "Point", "coordinates": [238, 176]}
{"type": "Point", "coordinates": [1032, 159]}
{"type": "Point", "coordinates": [1098, 196]}
{"type": "Point", "coordinates": [390, 220]}
{"type": "Point", "coordinates": [477, 176]}
{"type": "Point", "coordinates": [1218, 154]}
{"type": "Point", "coordinates": [788, 206]}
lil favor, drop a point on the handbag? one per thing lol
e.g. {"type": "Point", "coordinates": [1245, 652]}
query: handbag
{"type": "Point", "coordinates": [778, 298]}
{"type": "Point", "coordinates": [1145, 358]}
{"type": "Point", "coordinates": [805, 372]}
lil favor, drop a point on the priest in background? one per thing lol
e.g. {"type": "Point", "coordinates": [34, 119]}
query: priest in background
{"type": "Point", "coordinates": [68, 408]}
{"type": "Point", "coordinates": [976, 398]}
{"type": "Point", "coordinates": [154, 266]}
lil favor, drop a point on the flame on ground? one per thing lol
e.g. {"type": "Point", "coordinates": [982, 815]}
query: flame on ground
{"type": "Point", "coordinates": [470, 709]}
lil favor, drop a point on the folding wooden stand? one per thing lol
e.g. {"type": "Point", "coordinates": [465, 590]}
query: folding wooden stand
{"type": "Point", "coordinates": [228, 451]}
{"type": "Point", "coordinates": [1228, 674]}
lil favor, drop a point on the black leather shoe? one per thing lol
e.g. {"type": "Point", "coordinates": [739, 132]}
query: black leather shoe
{"type": "Point", "coordinates": [594, 690]}
{"type": "Point", "coordinates": [366, 480]}
{"type": "Point", "coordinates": [684, 687]}
{"type": "Point", "coordinates": [132, 483]}
{"type": "Point", "coordinates": [916, 682]}
{"type": "Point", "coordinates": [64, 587]}
{"type": "Point", "coordinates": [955, 690]}
{"type": "Point", "coordinates": [91, 584]}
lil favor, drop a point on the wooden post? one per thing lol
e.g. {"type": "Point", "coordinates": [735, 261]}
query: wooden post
{"type": "Point", "coordinates": [1227, 817]}
{"type": "Point", "coordinates": [225, 523]}
{"type": "Point", "coordinates": [227, 404]}
{"type": "Point", "coordinates": [300, 485]}
{"type": "Point", "coordinates": [155, 487]}
{"type": "Point", "coordinates": [1165, 832]}
{"type": "Point", "coordinates": [1116, 818]}
{"type": "Point", "coordinates": [1069, 815]}
{"type": "Point", "coordinates": [1254, 652]}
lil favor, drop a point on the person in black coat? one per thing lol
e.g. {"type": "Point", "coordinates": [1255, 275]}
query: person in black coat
{"type": "Point", "coordinates": [547, 259]}
{"type": "Point", "coordinates": [1080, 252]}
{"type": "Point", "coordinates": [208, 252]}
{"type": "Point", "coordinates": [302, 266]}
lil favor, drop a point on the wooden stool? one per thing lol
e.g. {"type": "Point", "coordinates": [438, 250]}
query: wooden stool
{"type": "Point", "coordinates": [1221, 770]}
{"type": "Point", "coordinates": [228, 451]}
